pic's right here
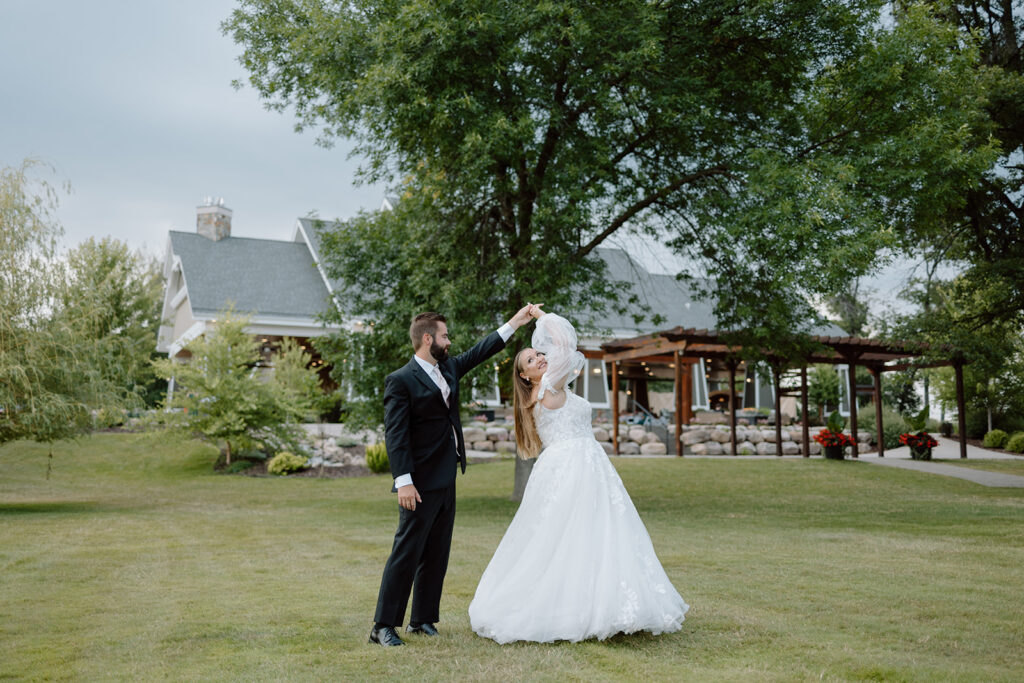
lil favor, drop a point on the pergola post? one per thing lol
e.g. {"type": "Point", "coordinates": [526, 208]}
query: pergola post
{"type": "Point", "coordinates": [615, 407]}
{"type": "Point", "coordinates": [854, 450]}
{"type": "Point", "coordinates": [777, 382]}
{"type": "Point", "coordinates": [731, 364]}
{"type": "Point", "coordinates": [961, 409]}
{"type": "Point", "coordinates": [687, 393]}
{"type": "Point", "coordinates": [876, 372]}
{"type": "Point", "coordinates": [806, 418]}
{"type": "Point", "coordinates": [677, 392]}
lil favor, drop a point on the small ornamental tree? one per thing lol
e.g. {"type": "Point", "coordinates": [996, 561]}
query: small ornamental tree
{"type": "Point", "coordinates": [224, 397]}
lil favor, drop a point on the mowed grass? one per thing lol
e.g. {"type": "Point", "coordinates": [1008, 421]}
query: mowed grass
{"type": "Point", "coordinates": [135, 562]}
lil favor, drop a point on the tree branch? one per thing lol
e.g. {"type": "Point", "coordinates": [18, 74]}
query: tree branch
{"type": "Point", "coordinates": [647, 201]}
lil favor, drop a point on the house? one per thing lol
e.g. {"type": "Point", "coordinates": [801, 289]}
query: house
{"type": "Point", "coordinates": [284, 286]}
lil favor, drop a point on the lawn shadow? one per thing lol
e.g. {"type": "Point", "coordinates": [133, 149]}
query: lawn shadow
{"type": "Point", "coordinates": [55, 507]}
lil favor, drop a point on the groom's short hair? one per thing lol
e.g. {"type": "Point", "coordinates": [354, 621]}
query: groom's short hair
{"type": "Point", "coordinates": [424, 323]}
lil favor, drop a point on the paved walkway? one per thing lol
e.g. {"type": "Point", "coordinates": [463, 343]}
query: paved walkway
{"type": "Point", "coordinates": [948, 449]}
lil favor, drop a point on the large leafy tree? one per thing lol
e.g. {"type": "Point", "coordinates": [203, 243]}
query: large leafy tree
{"type": "Point", "coordinates": [984, 231]}
{"type": "Point", "coordinates": [52, 377]}
{"type": "Point", "coordinates": [780, 146]}
{"type": "Point", "coordinates": [115, 294]}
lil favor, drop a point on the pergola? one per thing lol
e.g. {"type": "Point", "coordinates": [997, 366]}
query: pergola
{"type": "Point", "coordinates": [680, 348]}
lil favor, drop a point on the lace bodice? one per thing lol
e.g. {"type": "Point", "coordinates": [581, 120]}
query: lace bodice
{"type": "Point", "coordinates": [571, 421]}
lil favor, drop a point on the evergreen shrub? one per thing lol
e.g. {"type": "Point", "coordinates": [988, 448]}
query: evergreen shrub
{"type": "Point", "coordinates": [286, 463]}
{"type": "Point", "coordinates": [1016, 443]}
{"type": "Point", "coordinates": [377, 458]}
{"type": "Point", "coordinates": [997, 438]}
{"type": "Point", "coordinates": [893, 424]}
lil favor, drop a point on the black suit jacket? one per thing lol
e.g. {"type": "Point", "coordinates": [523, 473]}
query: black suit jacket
{"type": "Point", "coordinates": [423, 435]}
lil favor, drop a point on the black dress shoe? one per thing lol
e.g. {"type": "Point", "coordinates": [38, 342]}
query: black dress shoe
{"type": "Point", "coordinates": [386, 636]}
{"type": "Point", "coordinates": [425, 629]}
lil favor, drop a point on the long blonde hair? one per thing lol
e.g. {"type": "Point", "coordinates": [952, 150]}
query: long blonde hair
{"type": "Point", "coordinates": [527, 439]}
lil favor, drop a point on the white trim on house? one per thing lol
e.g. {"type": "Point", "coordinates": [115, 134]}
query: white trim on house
{"type": "Point", "coordinates": [188, 335]}
{"type": "Point", "coordinates": [178, 298]}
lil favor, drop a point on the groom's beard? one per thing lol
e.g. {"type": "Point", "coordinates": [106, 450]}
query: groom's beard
{"type": "Point", "coordinates": [440, 353]}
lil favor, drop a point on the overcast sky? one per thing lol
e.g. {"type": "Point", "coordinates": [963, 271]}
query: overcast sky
{"type": "Point", "coordinates": [131, 102]}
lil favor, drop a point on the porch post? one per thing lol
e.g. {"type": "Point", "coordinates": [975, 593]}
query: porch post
{"type": "Point", "coordinates": [876, 371]}
{"type": "Point", "coordinates": [731, 363]}
{"type": "Point", "coordinates": [615, 406]}
{"type": "Point", "coordinates": [688, 393]}
{"type": "Point", "coordinates": [854, 451]}
{"type": "Point", "coordinates": [803, 412]}
{"type": "Point", "coordinates": [677, 392]}
{"type": "Point", "coordinates": [777, 382]}
{"type": "Point", "coordinates": [961, 418]}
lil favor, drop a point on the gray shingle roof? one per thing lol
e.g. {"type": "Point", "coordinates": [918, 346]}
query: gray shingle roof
{"type": "Point", "coordinates": [312, 227]}
{"type": "Point", "coordinates": [265, 277]}
{"type": "Point", "coordinates": [665, 295]}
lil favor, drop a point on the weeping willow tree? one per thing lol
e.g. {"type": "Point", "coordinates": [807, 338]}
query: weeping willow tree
{"type": "Point", "coordinates": [53, 381]}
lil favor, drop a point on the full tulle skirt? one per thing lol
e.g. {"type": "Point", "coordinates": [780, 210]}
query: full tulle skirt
{"type": "Point", "coordinates": [576, 561]}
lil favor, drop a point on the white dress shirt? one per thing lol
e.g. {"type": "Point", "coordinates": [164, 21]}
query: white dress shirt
{"type": "Point", "coordinates": [430, 368]}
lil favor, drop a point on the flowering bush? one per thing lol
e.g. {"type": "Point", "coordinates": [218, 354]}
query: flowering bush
{"type": "Point", "coordinates": [827, 437]}
{"type": "Point", "coordinates": [918, 441]}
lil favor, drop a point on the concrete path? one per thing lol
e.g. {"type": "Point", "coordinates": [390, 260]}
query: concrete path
{"type": "Point", "coordinates": [948, 449]}
{"type": "Point", "coordinates": [983, 477]}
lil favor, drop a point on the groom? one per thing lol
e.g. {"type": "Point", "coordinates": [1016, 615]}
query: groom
{"type": "Point", "coordinates": [423, 434]}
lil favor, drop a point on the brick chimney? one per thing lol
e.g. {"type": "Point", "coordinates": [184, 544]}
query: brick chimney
{"type": "Point", "coordinates": [213, 219]}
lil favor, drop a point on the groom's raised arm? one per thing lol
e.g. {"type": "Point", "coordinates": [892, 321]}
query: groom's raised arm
{"type": "Point", "coordinates": [491, 344]}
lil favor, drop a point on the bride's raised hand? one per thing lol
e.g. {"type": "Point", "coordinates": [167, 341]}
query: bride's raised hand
{"type": "Point", "coordinates": [535, 310]}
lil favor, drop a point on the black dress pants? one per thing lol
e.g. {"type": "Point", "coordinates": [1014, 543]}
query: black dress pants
{"type": "Point", "coordinates": [418, 561]}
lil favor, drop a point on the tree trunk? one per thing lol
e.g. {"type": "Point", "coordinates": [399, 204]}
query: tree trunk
{"type": "Point", "coordinates": [523, 469]}
{"type": "Point", "coordinates": [227, 453]}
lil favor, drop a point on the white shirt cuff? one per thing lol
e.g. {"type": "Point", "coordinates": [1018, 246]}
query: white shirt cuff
{"type": "Point", "coordinates": [505, 331]}
{"type": "Point", "coordinates": [403, 480]}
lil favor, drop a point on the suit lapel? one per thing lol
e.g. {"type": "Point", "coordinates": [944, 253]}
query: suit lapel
{"type": "Point", "coordinates": [426, 380]}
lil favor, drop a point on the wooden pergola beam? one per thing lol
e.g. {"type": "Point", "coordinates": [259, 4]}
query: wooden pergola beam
{"type": "Point", "coordinates": [654, 348]}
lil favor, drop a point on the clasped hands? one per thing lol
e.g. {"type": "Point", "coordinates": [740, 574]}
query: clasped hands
{"type": "Point", "coordinates": [524, 314]}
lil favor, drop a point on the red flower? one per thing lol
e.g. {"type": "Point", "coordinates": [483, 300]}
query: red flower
{"type": "Point", "coordinates": [918, 441]}
{"type": "Point", "coordinates": [827, 437]}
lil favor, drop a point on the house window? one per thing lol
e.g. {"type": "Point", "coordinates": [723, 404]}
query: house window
{"type": "Point", "coordinates": [592, 383]}
{"type": "Point", "coordinates": [700, 385]}
{"type": "Point", "coordinates": [844, 389]}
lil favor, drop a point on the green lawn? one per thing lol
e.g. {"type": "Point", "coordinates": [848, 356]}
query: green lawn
{"type": "Point", "coordinates": [1015, 466]}
{"type": "Point", "coordinates": [135, 562]}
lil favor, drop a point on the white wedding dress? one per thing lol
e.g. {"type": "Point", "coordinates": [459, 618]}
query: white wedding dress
{"type": "Point", "coordinates": [576, 562]}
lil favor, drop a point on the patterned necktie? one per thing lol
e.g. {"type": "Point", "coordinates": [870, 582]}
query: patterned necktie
{"type": "Point", "coordinates": [442, 385]}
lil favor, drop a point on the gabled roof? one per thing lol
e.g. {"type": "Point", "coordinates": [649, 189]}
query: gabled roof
{"type": "Point", "coordinates": [311, 228]}
{"type": "Point", "coordinates": [673, 299]}
{"type": "Point", "coordinates": [264, 277]}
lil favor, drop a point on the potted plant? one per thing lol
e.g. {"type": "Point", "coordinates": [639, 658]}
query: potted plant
{"type": "Point", "coordinates": [832, 440]}
{"type": "Point", "coordinates": [919, 441]}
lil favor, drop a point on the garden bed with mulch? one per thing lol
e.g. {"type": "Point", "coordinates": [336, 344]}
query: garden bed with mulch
{"type": "Point", "coordinates": [259, 469]}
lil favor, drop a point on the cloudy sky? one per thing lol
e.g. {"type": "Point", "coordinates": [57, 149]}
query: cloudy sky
{"type": "Point", "coordinates": [131, 103]}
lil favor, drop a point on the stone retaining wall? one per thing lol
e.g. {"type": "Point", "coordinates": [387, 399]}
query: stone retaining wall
{"type": "Point", "coordinates": [696, 439]}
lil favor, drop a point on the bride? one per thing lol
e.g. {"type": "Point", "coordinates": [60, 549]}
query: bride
{"type": "Point", "coordinates": [576, 561]}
